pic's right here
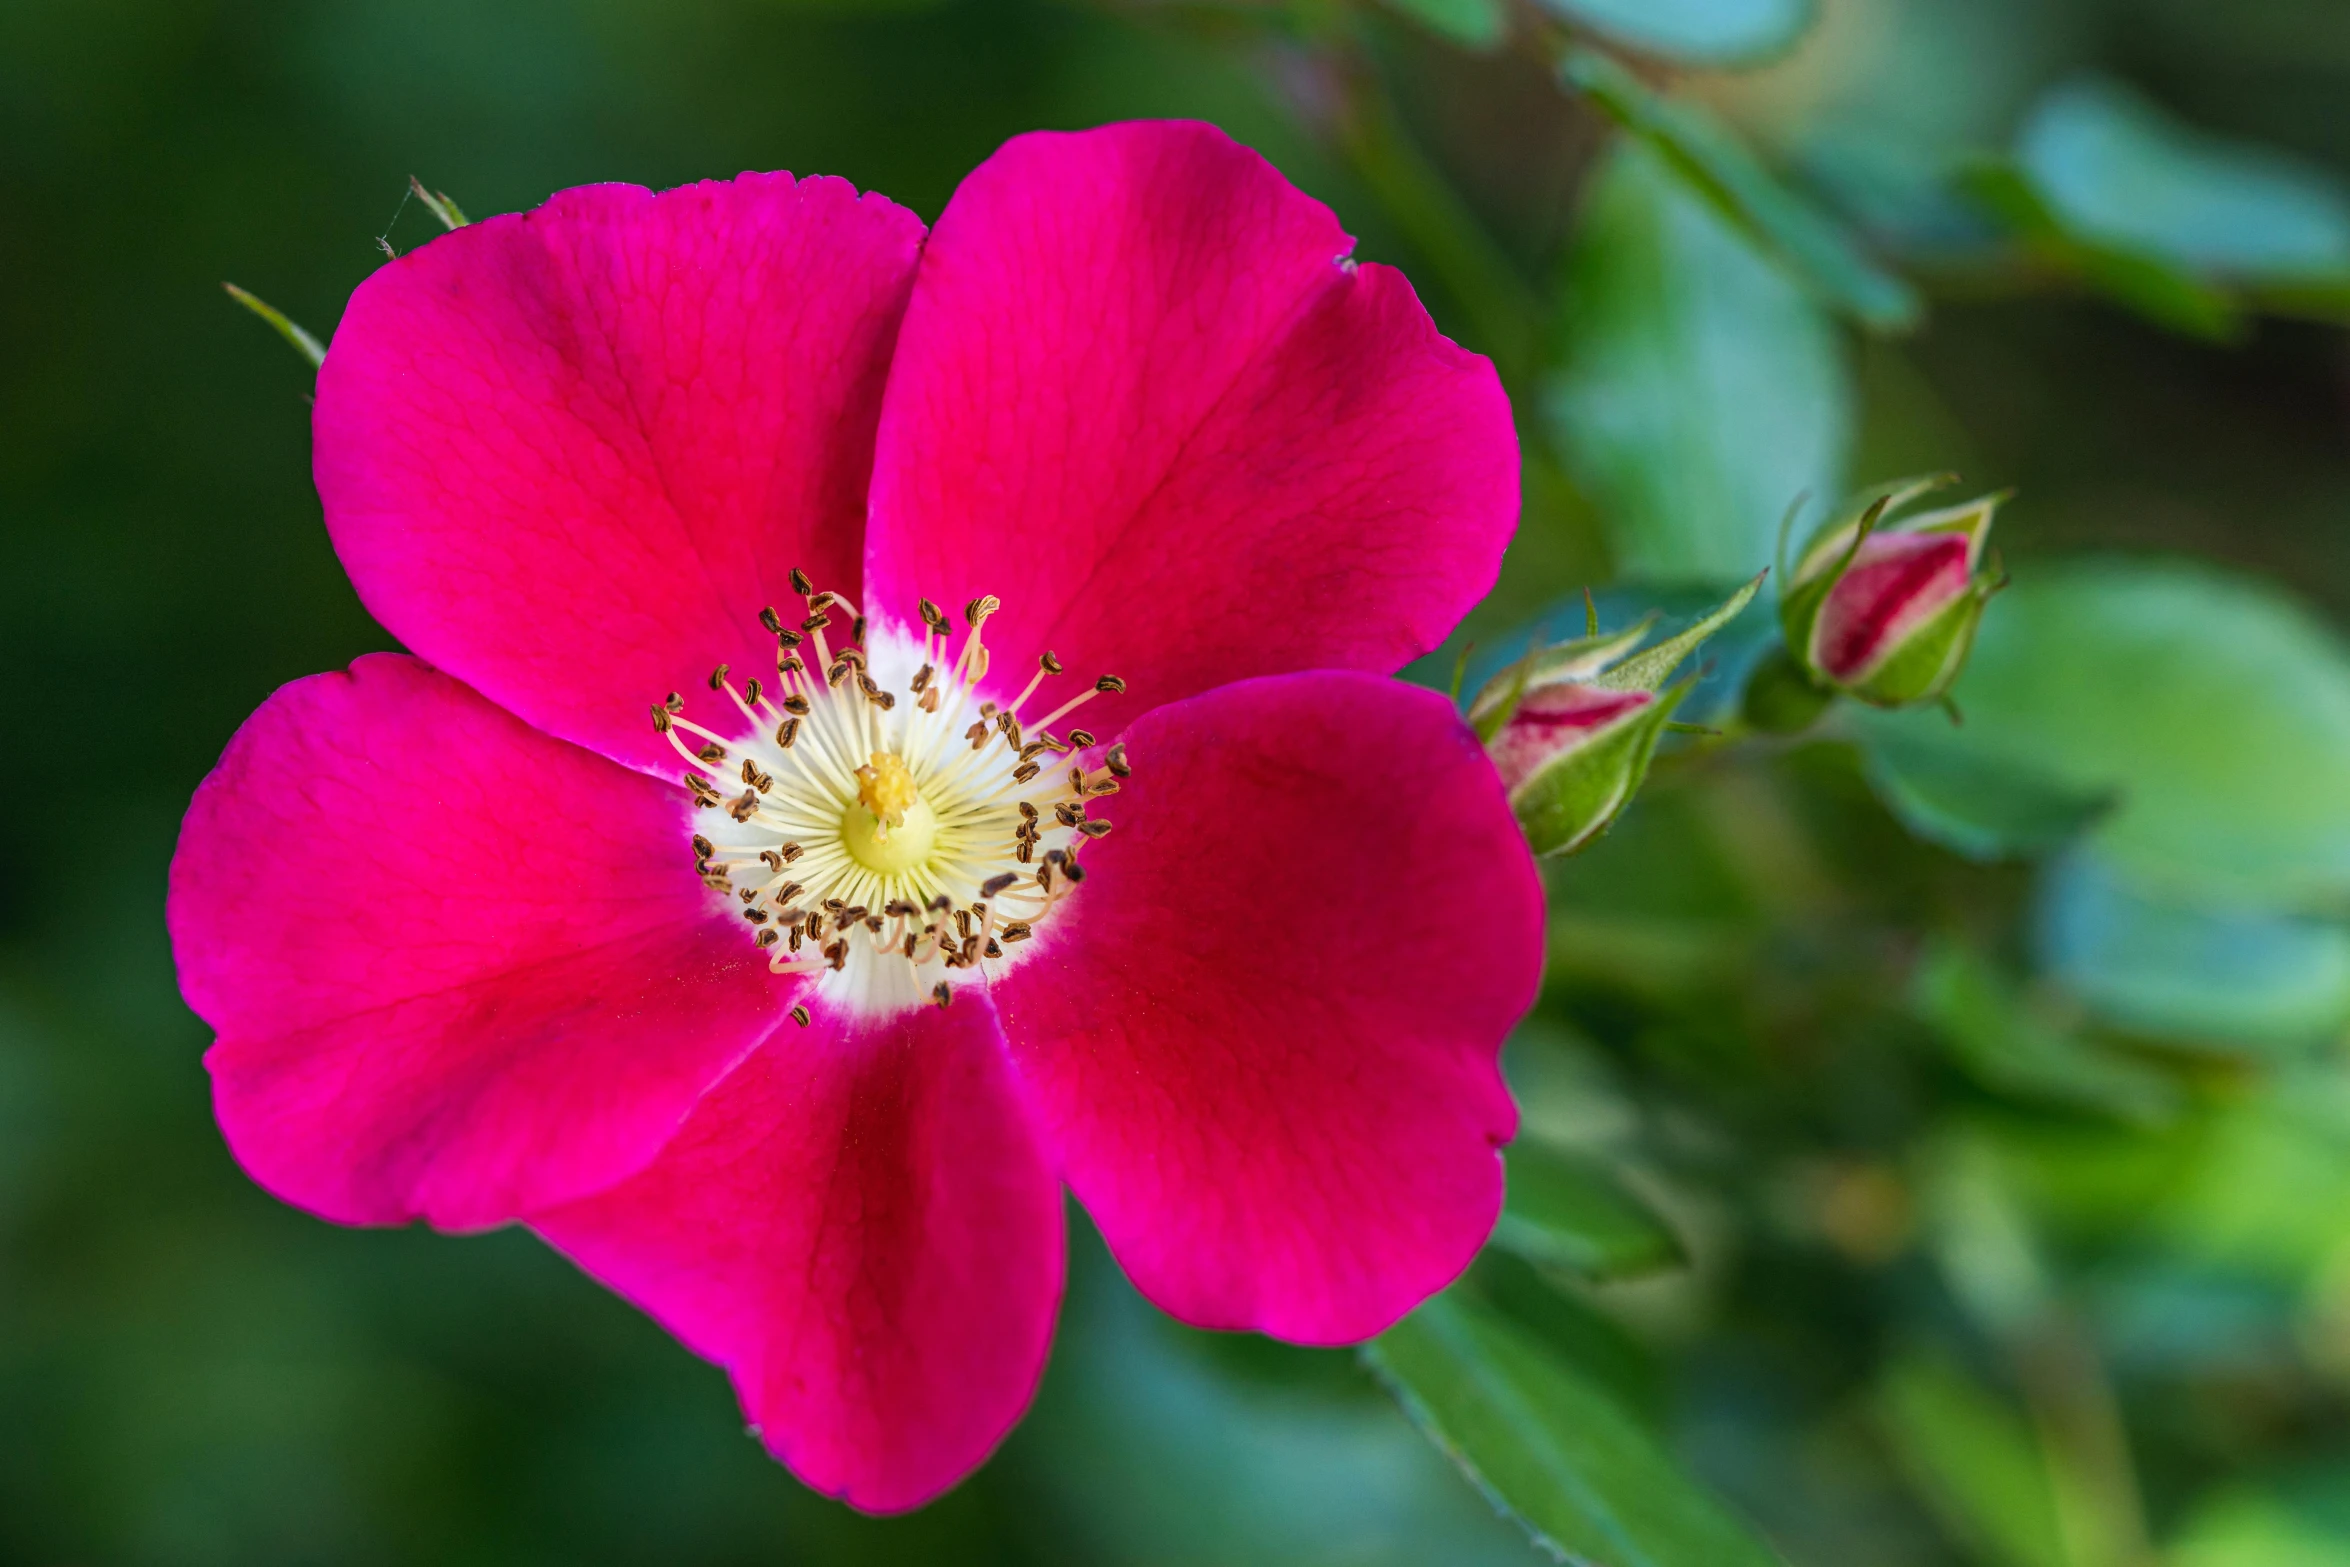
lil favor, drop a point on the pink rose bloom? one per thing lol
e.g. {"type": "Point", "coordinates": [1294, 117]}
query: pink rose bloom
{"type": "Point", "coordinates": [786, 1008]}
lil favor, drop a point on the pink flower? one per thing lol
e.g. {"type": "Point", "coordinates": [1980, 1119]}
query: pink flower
{"type": "Point", "coordinates": [786, 1008]}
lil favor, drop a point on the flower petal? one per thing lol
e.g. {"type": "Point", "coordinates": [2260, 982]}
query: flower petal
{"type": "Point", "coordinates": [459, 970]}
{"type": "Point", "coordinates": [1141, 397]}
{"type": "Point", "coordinates": [567, 455]}
{"type": "Point", "coordinates": [1263, 1036]}
{"type": "Point", "coordinates": [859, 1226]}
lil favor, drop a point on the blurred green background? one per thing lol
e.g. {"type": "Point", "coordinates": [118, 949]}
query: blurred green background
{"type": "Point", "coordinates": [1961, 1115]}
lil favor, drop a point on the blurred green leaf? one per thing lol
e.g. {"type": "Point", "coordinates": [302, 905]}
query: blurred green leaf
{"type": "Point", "coordinates": [2000, 1043]}
{"type": "Point", "coordinates": [1566, 1211]}
{"type": "Point", "coordinates": [1947, 793]}
{"type": "Point", "coordinates": [1973, 1460]}
{"type": "Point", "coordinates": [2243, 1527]}
{"type": "Point", "coordinates": [1698, 32]}
{"type": "Point", "coordinates": [1478, 24]}
{"type": "Point", "coordinates": [2154, 287]}
{"type": "Point", "coordinates": [1721, 169]}
{"type": "Point", "coordinates": [2116, 169]}
{"type": "Point", "coordinates": [1569, 1326]}
{"type": "Point", "coordinates": [1549, 1447]}
{"type": "Point", "coordinates": [2200, 974]}
{"type": "Point", "coordinates": [2213, 707]}
{"type": "Point", "coordinates": [1701, 390]}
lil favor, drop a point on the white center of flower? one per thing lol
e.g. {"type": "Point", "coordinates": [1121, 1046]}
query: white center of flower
{"type": "Point", "coordinates": [877, 823]}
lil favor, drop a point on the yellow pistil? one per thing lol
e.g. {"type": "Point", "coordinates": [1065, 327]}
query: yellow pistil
{"type": "Point", "coordinates": [886, 788]}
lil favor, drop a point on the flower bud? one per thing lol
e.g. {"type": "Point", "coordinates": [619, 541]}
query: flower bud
{"type": "Point", "coordinates": [1571, 727]}
{"type": "Point", "coordinates": [1572, 756]}
{"type": "Point", "coordinates": [1886, 610]}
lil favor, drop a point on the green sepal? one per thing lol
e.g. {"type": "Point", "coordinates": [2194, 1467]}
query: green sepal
{"type": "Point", "coordinates": [307, 346]}
{"type": "Point", "coordinates": [1648, 670]}
{"type": "Point", "coordinates": [1566, 804]}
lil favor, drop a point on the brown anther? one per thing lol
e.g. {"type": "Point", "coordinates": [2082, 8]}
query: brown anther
{"type": "Point", "coordinates": [703, 848]}
{"type": "Point", "coordinates": [788, 637]}
{"type": "Point", "coordinates": [939, 904]}
{"type": "Point", "coordinates": [1025, 853]}
{"type": "Point", "coordinates": [992, 949]}
{"type": "Point", "coordinates": [899, 908]}
{"type": "Point", "coordinates": [932, 616]}
{"type": "Point", "coordinates": [816, 622]}
{"type": "Point", "coordinates": [1018, 930]}
{"type": "Point", "coordinates": [1100, 786]}
{"type": "Point", "coordinates": [1011, 728]}
{"type": "Point", "coordinates": [1050, 664]}
{"type": "Point", "coordinates": [713, 752]}
{"type": "Point", "coordinates": [745, 808]}
{"type": "Point", "coordinates": [1027, 811]}
{"type": "Point", "coordinates": [771, 620]}
{"type": "Point", "coordinates": [660, 719]}
{"type": "Point", "coordinates": [790, 852]}
{"type": "Point", "coordinates": [1097, 828]}
{"type": "Point", "coordinates": [929, 702]}
{"type": "Point", "coordinates": [1026, 771]}
{"type": "Point", "coordinates": [833, 905]}
{"type": "Point", "coordinates": [756, 916]}
{"type": "Point", "coordinates": [789, 664]}
{"type": "Point", "coordinates": [1109, 683]}
{"type": "Point", "coordinates": [857, 629]}
{"type": "Point", "coordinates": [718, 678]}
{"type": "Point", "coordinates": [837, 673]}
{"type": "Point", "coordinates": [674, 702]}
{"type": "Point", "coordinates": [788, 891]}
{"type": "Point", "coordinates": [821, 602]}
{"type": "Point", "coordinates": [1081, 738]}
{"type": "Point", "coordinates": [747, 893]}
{"type": "Point", "coordinates": [701, 786]}
{"type": "Point", "coordinates": [770, 936]}
{"type": "Point", "coordinates": [796, 705]}
{"type": "Point", "coordinates": [885, 700]}
{"type": "Point", "coordinates": [866, 685]}
{"type": "Point", "coordinates": [1068, 815]}
{"type": "Point", "coordinates": [1077, 780]}
{"type": "Point", "coordinates": [907, 946]}
{"type": "Point", "coordinates": [963, 922]}
{"type": "Point", "coordinates": [837, 955]}
{"type": "Point", "coordinates": [1029, 751]}
{"type": "Point", "coordinates": [1116, 761]}
{"type": "Point", "coordinates": [921, 681]}
{"type": "Point", "coordinates": [1074, 871]}
{"type": "Point", "coordinates": [800, 583]}
{"type": "Point", "coordinates": [751, 691]}
{"type": "Point", "coordinates": [994, 885]}
{"type": "Point", "coordinates": [942, 993]}
{"type": "Point", "coordinates": [799, 1015]}
{"type": "Point", "coordinates": [772, 860]}
{"type": "Point", "coordinates": [977, 734]}
{"type": "Point", "coordinates": [750, 772]}
{"type": "Point", "coordinates": [787, 732]}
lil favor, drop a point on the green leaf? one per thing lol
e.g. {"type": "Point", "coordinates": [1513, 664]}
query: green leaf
{"type": "Point", "coordinates": [2213, 708]}
{"type": "Point", "coordinates": [2244, 1527]}
{"type": "Point", "coordinates": [1947, 793]}
{"type": "Point", "coordinates": [2150, 285]}
{"type": "Point", "coordinates": [1546, 1445]}
{"type": "Point", "coordinates": [1652, 667]}
{"type": "Point", "coordinates": [2199, 974]}
{"type": "Point", "coordinates": [1697, 32]}
{"type": "Point", "coordinates": [1973, 1460]}
{"type": "Point", "coordinates": [2116, 169]}
{"type": "Point", "coordinates": [1565, 1211]}
{"type": "Point", "coordinates": [1477, 24]}
{"type": "Point", "coordinates": [307, 346]}
{"type": "Point", "coordinates": [1721, 169]}
{"type": "Point", "coordinates": [1702, 391]}
{"type": "Point", "coordinates": [1999, 1041]}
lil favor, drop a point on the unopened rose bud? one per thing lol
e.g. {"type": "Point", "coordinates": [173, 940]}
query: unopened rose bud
{"type": "Point", "coordinates": [1571, 728]}
{"type": "Point", "coordinates": [1885, 609]}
